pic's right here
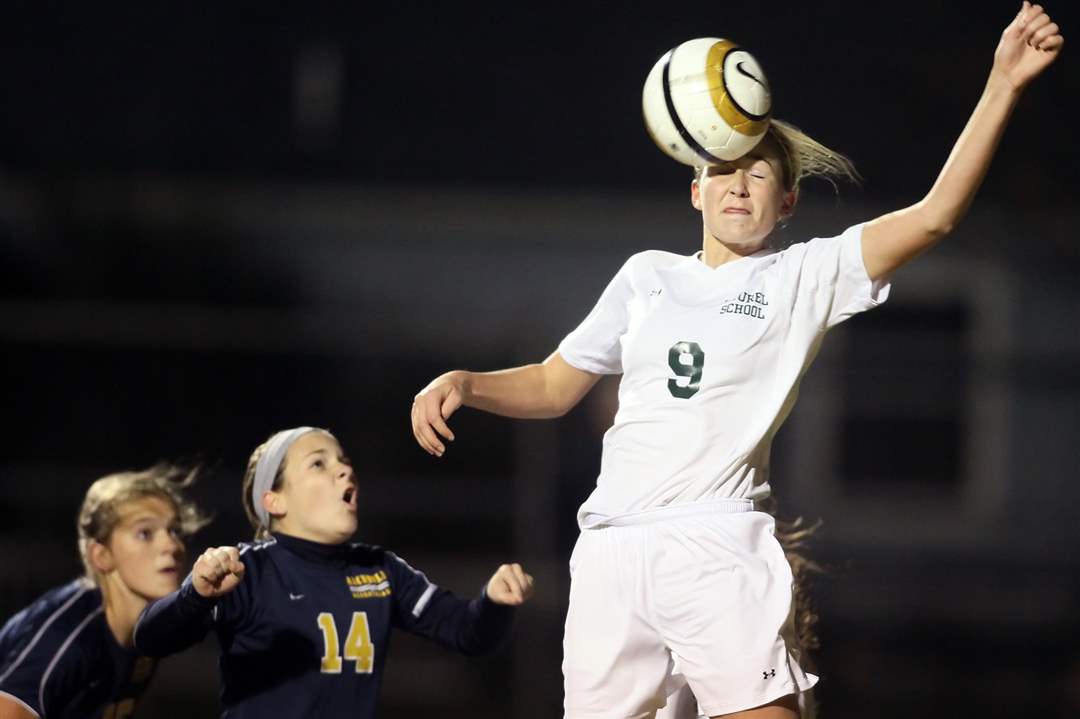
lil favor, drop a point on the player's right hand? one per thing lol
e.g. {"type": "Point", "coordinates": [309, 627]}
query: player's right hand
{"type": "Point", "coordinates": [217, 571]}
{"type": "Point", "coordinates": [1028, 45]}
{"type": "Point", "coordinates": [432, 406]}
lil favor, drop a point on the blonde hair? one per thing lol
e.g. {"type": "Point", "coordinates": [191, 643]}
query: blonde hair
{"type": "Point", "coordinates": [801, 157]}
{"type": "Point", "coordinates": [100, 511]}
{"type": "Point", "coordinates": [794, 537]}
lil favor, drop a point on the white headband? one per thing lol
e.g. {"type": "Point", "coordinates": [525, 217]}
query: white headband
{"type": "Point", "coordinates": [267, 467]}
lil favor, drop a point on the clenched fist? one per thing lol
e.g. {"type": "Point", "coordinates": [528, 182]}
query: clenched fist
{"type": "Point", "coordinates": [510, 585]}
{"type": "Point", "coordinates": [217, 571]}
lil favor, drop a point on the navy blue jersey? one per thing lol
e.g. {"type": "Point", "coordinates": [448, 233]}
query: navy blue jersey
{"type": "Point", "coordinates": [307, 631]}
{"type": "Point", "coordinates": [59, 659]}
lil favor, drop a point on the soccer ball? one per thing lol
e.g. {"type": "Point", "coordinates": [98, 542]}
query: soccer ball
{"type": "Point", "coordinates": [706, 101]}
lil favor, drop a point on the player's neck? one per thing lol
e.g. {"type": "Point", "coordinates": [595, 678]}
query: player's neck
{"type": "Point", "coordinates": [122, 609]}
{"type": "Point", "coordinates": [308, 534]}
{"type": "Point", "coordinates": [715, 253]}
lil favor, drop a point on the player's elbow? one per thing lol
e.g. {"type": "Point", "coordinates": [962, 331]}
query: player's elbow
{"type": "Point", "coordinates": [557, 407]}
{"type": "Point", "coordinates": [936, 231]}
{"type": "Point", "coordinates": [936, 220]}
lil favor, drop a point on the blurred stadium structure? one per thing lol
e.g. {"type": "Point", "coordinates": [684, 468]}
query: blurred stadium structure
{"type": "Point", "coordinates": [179, 290]}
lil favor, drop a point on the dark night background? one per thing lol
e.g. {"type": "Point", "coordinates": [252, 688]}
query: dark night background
{"type": "Point", "coordinates": [219, 221]}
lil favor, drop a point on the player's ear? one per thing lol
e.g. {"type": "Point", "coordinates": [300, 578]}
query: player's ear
{"type": "Point", "coordinates": [275, 504]}
{"type": "Point", "coordinates": [787, 204]}
{"type": "Point", "coordinates": [695, 194]}
{"type": "Point", "coordinates": [101, 557]}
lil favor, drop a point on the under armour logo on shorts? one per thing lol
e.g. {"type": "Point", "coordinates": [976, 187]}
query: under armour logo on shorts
{"type": "Point", "coordinates": [769, 674]}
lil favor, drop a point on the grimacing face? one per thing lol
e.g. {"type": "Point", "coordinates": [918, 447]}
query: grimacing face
{"type": "Point", "coordinates": [145, 549]}
{"type": "Point", "coordinates": [741, 201]}
{"type": "Point", "coordinates": [317, 497]}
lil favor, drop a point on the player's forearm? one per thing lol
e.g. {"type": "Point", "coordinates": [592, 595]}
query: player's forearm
{"type": "Point", "coordinates": [963, 173]}
{"type": "Point", "coordinates": [487, 628]}
{"type": "Point", "coordinates": [520, 392]}
{"type": "Point", "coordinates": [536, 391]}
{"type": "Point", "coordinates": [893, 240]}
{"type": "Point", "coordinates": [472, 627]}
{"type": "Point", "coordinates": [174, 622]}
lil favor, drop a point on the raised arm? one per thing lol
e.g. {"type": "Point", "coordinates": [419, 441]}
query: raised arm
{"type": "Point", "coordinates": [472, 627]}
{"type": "Point", "coordinates": [535, 391]}
{"type": "Point", "coordinates": [1028, 45]}
{"type": "Point", "coordinates": [181, 619]}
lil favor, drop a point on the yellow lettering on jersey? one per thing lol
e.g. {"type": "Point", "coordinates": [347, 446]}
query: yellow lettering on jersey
{"type": "Point", "coordinates": [369, 586]}
{"type": "Point", "coordinates": [331, 658]}
{"type": "Point", "coordinates": [361, 579]}
{"type": "Point", "coordinates": [358, 645]}
{"type": "Point", "coordinates": [123, 709]}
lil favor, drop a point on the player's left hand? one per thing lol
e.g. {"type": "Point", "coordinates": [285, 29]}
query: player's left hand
{"type": "Point", "coordinates": [510, 585]}
{"type": "Point", "coordinates": [1028, 45]}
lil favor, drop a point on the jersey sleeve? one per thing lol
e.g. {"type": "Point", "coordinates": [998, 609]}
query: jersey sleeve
{"type": "Point", "coordinates": [594, 345]}
{"type": "Point", "coordinates": [182, 619]}
{"type": "Point", "coordinates": [174, 622]}
{"type": "Point", "coordinates": [831, 280]}
{"type": "Point", "coordinates": [47, 674]}
{"type": "Point", "coordinates": [472, 627]}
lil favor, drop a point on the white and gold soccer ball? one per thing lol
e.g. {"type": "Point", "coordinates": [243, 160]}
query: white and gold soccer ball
{"type": "Point", "coordinates": [706, 101]}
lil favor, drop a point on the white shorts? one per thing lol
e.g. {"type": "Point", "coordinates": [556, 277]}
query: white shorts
{"type": "Point", "coordinates": [693, 593]}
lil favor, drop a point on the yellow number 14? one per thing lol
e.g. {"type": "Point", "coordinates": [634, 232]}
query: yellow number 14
{"type": "Point", "coordinates": [358, 646]}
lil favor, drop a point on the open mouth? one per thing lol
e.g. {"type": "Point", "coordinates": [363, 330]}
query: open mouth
{"type": "Point", "coordinates": [349, 494]}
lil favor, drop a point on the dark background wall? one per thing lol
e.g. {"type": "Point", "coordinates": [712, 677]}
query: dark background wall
{"type": "Point", "coordinates": [216, 222]}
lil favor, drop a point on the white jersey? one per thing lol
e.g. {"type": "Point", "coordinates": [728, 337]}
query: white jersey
{"type": "Point", "coordinates": [711, 362]}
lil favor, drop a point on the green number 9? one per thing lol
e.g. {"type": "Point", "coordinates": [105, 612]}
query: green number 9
{"type": "Point", "coordinates": [691, 371]}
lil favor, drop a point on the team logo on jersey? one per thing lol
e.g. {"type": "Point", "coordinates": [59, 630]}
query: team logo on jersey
{"type": "Point", "coordinates": [748, 304]}
{"type": "Point", "coordinates": [369, 586]}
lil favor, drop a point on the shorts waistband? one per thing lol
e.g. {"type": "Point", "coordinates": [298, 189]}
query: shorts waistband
{"type": "Point", "coordinates": [672, 511]}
